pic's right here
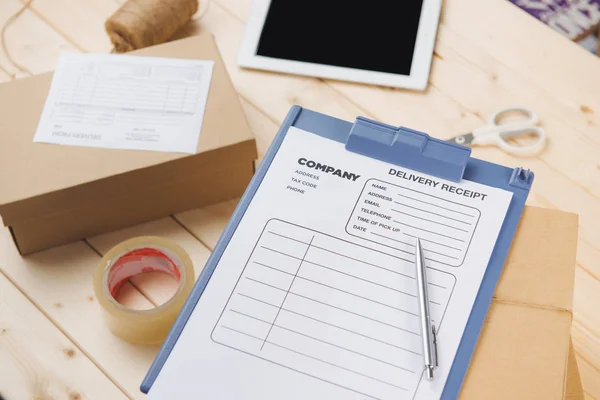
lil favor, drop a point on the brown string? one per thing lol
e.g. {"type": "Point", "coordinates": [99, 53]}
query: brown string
{"type": "Point", "coordinates": [7, 23]}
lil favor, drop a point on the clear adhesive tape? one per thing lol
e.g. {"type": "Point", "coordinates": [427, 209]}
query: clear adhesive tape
{"type": "Point", "coordinates": [130, 258]}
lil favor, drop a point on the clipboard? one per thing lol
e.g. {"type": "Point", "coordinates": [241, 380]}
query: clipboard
{"type": "Point", "coordinates": [404, 147]}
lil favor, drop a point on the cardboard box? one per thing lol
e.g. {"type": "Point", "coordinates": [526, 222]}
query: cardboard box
{"type": "Point", "coordinates": [574, 386]}
{"type": "Point", "coordinates": [53, 194]}
{"type": "Point", "coordinates": [523, 349]}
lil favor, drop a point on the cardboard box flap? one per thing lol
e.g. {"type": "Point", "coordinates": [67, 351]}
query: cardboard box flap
{"type": "Point", "coordinates": [34, 169]}
{"type": "Point", "coordinates": [574, 389]}
{"type": "Point", "coordinates": [540, 264]}
{"type": "Point", "coordinates": [528, 325]}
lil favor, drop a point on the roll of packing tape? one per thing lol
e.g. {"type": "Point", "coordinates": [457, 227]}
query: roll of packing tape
{"type": "Point", "coordinates": [130, 258]}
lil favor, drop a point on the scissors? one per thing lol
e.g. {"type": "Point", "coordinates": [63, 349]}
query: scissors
{"type": "Point", "coordinates": [496, 133]}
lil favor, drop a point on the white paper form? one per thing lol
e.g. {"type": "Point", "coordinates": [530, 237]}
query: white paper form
{"type": "Point", "coordinates": [315, 296]}
{"type": "Point", "coordinates": [126, 102]}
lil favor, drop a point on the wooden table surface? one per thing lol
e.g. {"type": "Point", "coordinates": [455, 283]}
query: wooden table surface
{"type": "Point", "coordinates": [489, 55]}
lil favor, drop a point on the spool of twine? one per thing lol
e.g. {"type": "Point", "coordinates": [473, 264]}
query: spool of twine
{"type": "Point", "coordinates": [143, 23]}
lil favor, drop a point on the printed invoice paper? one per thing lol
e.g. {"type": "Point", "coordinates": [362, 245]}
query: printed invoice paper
{"type": "Point", "coordinates": [315, 296]}
{"type": "Point", "coordinates": [126, 102]}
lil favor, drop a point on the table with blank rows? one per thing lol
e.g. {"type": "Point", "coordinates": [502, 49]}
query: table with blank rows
{"type": "Point", "coordinates": [339, 311]}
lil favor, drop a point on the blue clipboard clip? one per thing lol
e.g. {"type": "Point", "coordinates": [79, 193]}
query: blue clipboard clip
{"type": "Point", "coordinates": [417, 151]}
{"type": "Point", "coordinates": [408, 148]}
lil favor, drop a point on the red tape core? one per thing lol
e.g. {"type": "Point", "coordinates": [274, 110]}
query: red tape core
{"type": "Point", "coordinates": [145, 259]}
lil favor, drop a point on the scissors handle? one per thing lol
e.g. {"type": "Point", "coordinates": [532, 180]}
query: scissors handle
{"type": "Point", "coordinates": [530, 116]}
{"type": "Point", "coordinates": [497, 132]}
{"type": "Point", "coordinates": [497, 135]}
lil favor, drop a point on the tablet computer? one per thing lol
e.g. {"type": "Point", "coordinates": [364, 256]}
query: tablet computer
{"type": "Point", "coordinates": [378, 42]}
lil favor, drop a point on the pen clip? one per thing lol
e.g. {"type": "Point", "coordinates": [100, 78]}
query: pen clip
{"type": "Point", "coordinates": [435, 349]}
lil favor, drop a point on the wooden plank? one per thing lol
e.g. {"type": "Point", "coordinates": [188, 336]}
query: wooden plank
{"type": "Point", "coordinates": [481, 83]}
{"type": "Point", "coordinates": [586, 317]}
{"type": "Point", "coordinates": [32, 43]}
{"type": "Point", "coordinates": [38, 361]}
{"type": "Point", "coordinates": [59, 282]}
{"type": "Point", "coordinates": [4, 77]}
{"type": "Point", "coordinates": [589, 376]}
{"type": "Point", "coordinates": [208, 223]}
{"type": "Point", "coordinates": [81, 22]}
{"type": "Point", "coordinates": [7, 9]}
{"type": "Point", "coordinates": [263, 127]}
{"type": "Point", "coordinates": [536, 96]}
{"type": "Point", "coordinates": [567, 72]}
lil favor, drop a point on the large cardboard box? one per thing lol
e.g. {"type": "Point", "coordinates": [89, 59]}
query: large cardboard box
{"type": "Point", "coordinates": [523, 349]}
{"type": "Point", "coordinates": [53, 194]}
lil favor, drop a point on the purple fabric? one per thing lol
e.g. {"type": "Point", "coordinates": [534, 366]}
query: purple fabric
{"type": "Point", "coordinates": [572, 18]}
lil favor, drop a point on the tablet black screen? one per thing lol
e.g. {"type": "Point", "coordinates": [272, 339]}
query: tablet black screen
{"type": "Point", "coordinates": [372, 35]}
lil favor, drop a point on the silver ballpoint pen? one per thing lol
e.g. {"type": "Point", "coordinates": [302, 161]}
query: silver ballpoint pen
{"type": "Point", "coordinates": [428, 333]}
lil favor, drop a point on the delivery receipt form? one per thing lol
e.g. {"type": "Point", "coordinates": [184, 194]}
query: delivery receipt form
{"type": "Point", "coordinates": [126, 102]}
{"type": "Point", "coordinates": [315, 296]}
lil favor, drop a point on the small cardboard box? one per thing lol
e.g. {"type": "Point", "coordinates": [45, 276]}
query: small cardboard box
{"type": "Point", "coordinates": [523, 348]}
{"type": "Point", "coordinates": [54, 194]}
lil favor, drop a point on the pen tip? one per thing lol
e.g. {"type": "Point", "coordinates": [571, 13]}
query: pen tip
{"type": "Point", "coordinates": [429, 372]}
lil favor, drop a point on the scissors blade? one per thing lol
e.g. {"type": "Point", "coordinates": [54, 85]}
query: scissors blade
{"type": "Point", "coordinates": [464, 140]}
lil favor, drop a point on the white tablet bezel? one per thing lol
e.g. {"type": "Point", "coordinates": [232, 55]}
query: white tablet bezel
{"type": "Point", "coordinates": [420, 66]}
